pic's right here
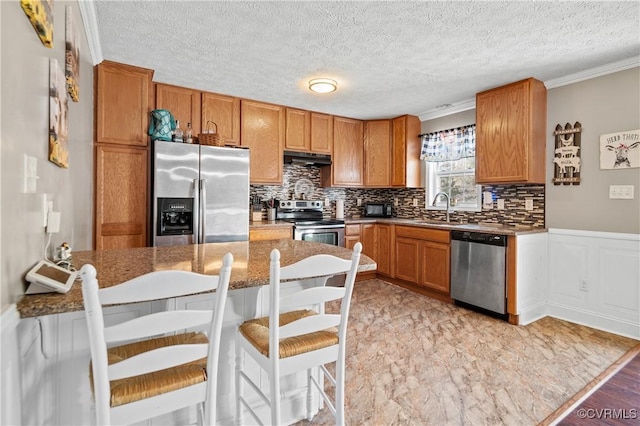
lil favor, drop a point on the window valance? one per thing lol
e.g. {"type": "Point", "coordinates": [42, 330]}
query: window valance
{"type": "Point", "coordinates": [449, 145]}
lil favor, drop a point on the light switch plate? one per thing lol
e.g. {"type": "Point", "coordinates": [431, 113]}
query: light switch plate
{"type": "Point", "coordinates": [415, 202]}
{"type": "Point", "coordinates": [395, 202]}
{"type": "Point", "coordinates": [621, 192]}
{"type": "Point", "coordinates": [30, 176]}
{"type": "Point", "coordinates": [359, 202]}
{"type": "Point", "coordinates": [327, 202]}
{"type": "Point", "coordinates": [528, 204]}
{"type": "Point", "coordinates": [500, 204]}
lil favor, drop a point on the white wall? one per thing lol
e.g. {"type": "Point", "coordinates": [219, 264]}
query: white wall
{"type": "Point", "coordinates": [24, 117]}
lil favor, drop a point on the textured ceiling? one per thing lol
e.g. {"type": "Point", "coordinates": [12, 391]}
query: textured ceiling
{"type": "Point", "coordinates": [389, 58]}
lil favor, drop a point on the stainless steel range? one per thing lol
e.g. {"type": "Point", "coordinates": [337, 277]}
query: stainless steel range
{"type": "Point", "coordinates": [309, 225]}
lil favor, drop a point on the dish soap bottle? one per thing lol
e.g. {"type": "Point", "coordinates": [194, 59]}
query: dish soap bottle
{"type": "Point", "coordinates": [188, 134]}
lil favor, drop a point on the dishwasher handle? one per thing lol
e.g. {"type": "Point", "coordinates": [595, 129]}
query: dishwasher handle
{"type": "Point", "coordinates": [480, 238]}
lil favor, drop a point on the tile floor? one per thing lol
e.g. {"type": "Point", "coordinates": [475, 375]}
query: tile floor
{"type": "Point", "coordinates": [412, 360]}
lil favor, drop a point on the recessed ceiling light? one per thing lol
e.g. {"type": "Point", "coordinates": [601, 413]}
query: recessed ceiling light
{"type": "Point", "coordinates": [323, 85]}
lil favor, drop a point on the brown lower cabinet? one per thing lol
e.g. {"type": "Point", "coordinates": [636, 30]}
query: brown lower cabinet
{"type": "Point", "coordinates": [376, 243]}
{"type": "Point", "coordinates": [422, 257]}
{"type": "Point", "coordinates": [270, 233]}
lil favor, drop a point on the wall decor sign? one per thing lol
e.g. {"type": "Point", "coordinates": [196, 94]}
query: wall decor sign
{"type": "Point", "coordinates": [567, 156]}
{"type": "Point", "coordinates": [40, 13]}
{"type": "Point", "coordinates": [620, 150]}
{"type": "Point", "coordinates": [58, 113]}
{"type": "Point", "coordinates": [72, 57]}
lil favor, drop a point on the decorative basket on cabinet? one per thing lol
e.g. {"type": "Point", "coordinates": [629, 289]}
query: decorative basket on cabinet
{"type": "Point", "coordinates": [210, 136]}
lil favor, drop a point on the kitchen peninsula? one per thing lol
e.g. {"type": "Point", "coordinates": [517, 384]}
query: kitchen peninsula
{"type": "Point", "coordinates": [250, 267]}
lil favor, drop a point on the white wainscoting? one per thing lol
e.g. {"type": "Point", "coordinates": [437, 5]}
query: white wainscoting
{"type": "Point", "coordinates": [594, 279]}
{"type": "Point", "coordinates": [531, 277]}
{"type": "Point", "coordinates": [10, 410]}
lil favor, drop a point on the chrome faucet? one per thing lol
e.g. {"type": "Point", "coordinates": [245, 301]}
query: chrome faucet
{"type": "Point", "coordinates": [446, 196]}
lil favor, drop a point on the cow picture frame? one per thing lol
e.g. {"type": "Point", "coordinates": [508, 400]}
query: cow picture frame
{"type": "Point", "coordinates": [620, 150]}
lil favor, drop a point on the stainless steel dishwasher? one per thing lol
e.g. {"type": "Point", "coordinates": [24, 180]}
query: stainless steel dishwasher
{"type": "Point", "coordinates": [478, 270]}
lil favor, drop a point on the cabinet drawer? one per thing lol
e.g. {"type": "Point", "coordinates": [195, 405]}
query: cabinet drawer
{"type": "Point", "coordinates": [437, 235]}
{"type": "Point", "coordinates": [274, 233]}
{"type": "Point", "coordinates": [352, 229]}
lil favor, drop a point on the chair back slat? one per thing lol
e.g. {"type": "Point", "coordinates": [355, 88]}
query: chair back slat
{"type": "Point", "coordinates": [158, 285]}
{"type": "Point", "coordinates": [156, 324]}
{"type": "Point", "coordinates": [309, 325]}
{"type": "Point", "coordinates": [157, 359]}
{"type": "Point", "coordinates": [315, 266]}
{"type": "Point", "coordinates": [311, 296]}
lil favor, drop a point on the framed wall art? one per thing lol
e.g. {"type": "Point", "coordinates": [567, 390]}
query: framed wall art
{"type": "Point", "coordinates": [72, 57]}
{"type": "Point", "coordinates": [620, 150]}
{"type": "Point", "coordinates": [58, 116]}
{"type": "Point", "coordinates": [40, 13]}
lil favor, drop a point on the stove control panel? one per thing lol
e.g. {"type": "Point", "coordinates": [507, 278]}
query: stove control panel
{"type": "Point", "coordinates": [300, 204]}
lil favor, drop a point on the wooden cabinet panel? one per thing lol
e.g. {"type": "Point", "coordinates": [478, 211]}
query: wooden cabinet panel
{"type": "Point", "coordinates": [368, 238]}
{"type": "Point", "coordinates": [122, 104]}
{"type": "Point", "coordinates": [321, 133]}
{"type": "Point", "coordinates": [436, 235]}
{"type": "Point", "coordinates": [225, 112]}
{"type": "Point", "coordinates": [262, 131]}
{"type": "Point", "coordinates": [377, 153]}
{"type": "Point", "coordinates": [407, 257]}
{"type": "Point", "coordinates": [348, 154]}
{"type": "Point", "coordinates": [298, 130]}
{"type": "Point", "coordinates": [121, 197]}
{"type": "Point", "coordinates": [405, 156]}
{"type": "Point", "coordinates": [510, 133]}
{"type": "Point", "coordinates": [183, 103]}
{"type": "Point", "coordinates": [271, 233]}
{"type": "Point", "coordinates": [435, 264]}
{"type": "Point", "coordinates": [383, 249]}
{"type": "Point", "coordinates": [351, 240]}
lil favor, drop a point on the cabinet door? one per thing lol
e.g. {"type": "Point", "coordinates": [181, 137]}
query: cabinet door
{"type": "Point", "coordinates": [434, 270]}
{"type": "Point", "coordinates": [183, 103]}
{"type": "Point", "coordinates": [123, 104]}
{"type": "Point", "coordinates": [298, 133]}
{"type": "Point", "coordinates": [377, 153]}
{"type": "Point", "coordinates": [121, 197]}
{"type": "Point", "coordinates": [383, 249]}
{"type": "Point", "coordinates": [510, 139]}
{"type": "Point", "coordinates": [405, 155]}
{"type": "Point", "coordinates": [321, 133]}
{"type": "Point", "coordinates": [407, 257]}
{"type": "Point", "coordinates": [271, 233]}
{"type": "Point", "coordinates": [351, 240]}
{"type": "Point", "coordinates": [348, 153]}
{"type": "Point", "coordinates": [225, 112]}
{"type": "Point", "coordinates": [368, 238]}
{"type": "Point", "coordinates": [262, 131]}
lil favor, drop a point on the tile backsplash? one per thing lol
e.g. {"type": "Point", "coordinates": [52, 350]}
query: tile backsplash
{"type": "Point", "coordinates": [514, 197]}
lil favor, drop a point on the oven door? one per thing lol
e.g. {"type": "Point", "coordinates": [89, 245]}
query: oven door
{"type": "Point", "coordinates": [326, 235]}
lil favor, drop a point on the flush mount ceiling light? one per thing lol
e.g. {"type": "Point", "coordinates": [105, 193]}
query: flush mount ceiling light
{"type": "Point", "coordinates": [323, 85]}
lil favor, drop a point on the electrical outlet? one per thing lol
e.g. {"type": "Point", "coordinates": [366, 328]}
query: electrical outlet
{"type": "Point", "coordinates": [528, 204]}
{"type": "Point", "coordinates": [415, 202]}
{"type": "Point", "coordinates": [395, 202]}
{"type": "Point", "coordinates": [500, 204]}
{"type": "Point", "coordinates": [327, 202]}
{"type": "Point", "coordinates": [359, 202]}
{"type": "Point", "coordinates": [583, 285]}
{"type": "Point", "coordinates": [621, 192]}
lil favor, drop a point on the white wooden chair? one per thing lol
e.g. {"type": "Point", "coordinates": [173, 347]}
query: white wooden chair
{"type": "Point", "coordinates": [173, 368]}
{"type": "Point", "coordinates": [292, 339]}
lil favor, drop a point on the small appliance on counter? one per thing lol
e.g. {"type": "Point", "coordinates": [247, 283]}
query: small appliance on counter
{"type": "Point", "coordinates": [377, 210]}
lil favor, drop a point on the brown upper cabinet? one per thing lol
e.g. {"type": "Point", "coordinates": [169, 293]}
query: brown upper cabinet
{"type": "Point", "coordinates": [123, 103]}
{"type": "Point", "coordinates": [377, 153]}
{"type": "Point", "coordinates": [183, 103]}
{"type": "Point", "coordinates": [308, 131]}
{"type": "Point", "coordinates": [262, 130]}
{"type": "Point", "coordinates": [511, 124]}
{"type": "Point", "coordinates": [348, 154]}
{"type": "Point", "coordinates": [225, 112]}
{"type": "Point", "coordinates": [405, 154]}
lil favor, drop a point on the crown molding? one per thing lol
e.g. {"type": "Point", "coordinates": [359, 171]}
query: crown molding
{"type": "Point", "coordinates": [90, 23]}
{"type": "Point", "coordinates": [549, 84]}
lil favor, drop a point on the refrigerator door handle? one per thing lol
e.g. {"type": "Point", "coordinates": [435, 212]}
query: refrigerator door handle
{"type": "Point", "coordinates": [196, 210]}
{"type": "Point", "coordinates": [203, 210]}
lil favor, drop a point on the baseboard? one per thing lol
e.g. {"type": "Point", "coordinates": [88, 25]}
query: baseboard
{"type": "Point", "coordinates": [532, 314]}
{"type": "Point", "coordinates": [590, 319]}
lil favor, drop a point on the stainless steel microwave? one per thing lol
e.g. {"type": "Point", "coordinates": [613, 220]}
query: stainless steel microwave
{"type": "Point", "coordinates": [377, 210]}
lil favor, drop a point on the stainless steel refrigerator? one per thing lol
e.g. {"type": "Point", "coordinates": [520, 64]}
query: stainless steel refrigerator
{"type": "Point", "coordinates": [200, 194]}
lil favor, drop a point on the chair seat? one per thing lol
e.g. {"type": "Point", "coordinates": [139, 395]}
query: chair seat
{"type": "Point", "coordinates": [124, 391]}
{"type": "Point", "coordinates": [256, 331]}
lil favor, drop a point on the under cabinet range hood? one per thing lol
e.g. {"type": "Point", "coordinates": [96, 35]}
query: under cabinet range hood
{"type": "Point", "coordinates": [307, 158]}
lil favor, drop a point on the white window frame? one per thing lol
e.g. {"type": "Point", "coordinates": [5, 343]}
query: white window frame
{"type": "Point", "coordinates": [432, 190]}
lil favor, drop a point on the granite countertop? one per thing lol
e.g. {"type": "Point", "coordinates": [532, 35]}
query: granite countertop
{"type": "Point", "coordinates": [493, 228]}
{"type": "Point", "coordinates": [270, 224]}
{"type": "Point", "coordinates": [250, 267]}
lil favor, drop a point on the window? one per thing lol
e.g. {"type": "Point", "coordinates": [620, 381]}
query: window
{"type": "Point", "coordinates": [456, 178]}
{"type": "Point", "coordinates": [451, 165]}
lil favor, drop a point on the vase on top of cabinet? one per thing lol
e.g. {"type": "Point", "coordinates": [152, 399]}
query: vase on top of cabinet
{"type": "Point", "coordinates": [511, 125]}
